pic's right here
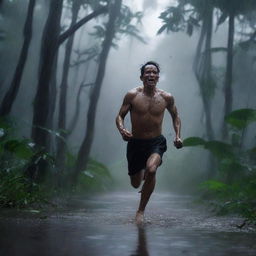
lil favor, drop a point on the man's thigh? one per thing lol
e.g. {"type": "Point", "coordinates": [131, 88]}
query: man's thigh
{"type": "Point", "coordinates": [154, 160]}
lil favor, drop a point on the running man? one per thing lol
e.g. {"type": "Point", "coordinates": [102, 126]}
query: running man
{"type": "Point", "coordinates": [146, 144]}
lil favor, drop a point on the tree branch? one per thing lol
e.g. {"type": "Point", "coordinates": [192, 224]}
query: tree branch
{"type": "Point", "coordinates": [80, 23]}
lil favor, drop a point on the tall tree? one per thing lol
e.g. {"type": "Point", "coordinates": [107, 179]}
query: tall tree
{"type": "Point", "coordinates": [203, 63]}
{"type": "Point", "coordinates": [11, 93]}
{"type": "Point", "coordinates": [188, 15]}
{"type": "Point", "coordinates": [47, 57]}
{"type": "Point", "coordinates": [61, 144]}
{"type": "Point", "coordinates": [51, 41]}
{"type": "Point", "coordinates": [52, 105]}
{"type": "Point", "coordinates": [84, 151]}
{"type": "Point", "coordinates": [231, 11]}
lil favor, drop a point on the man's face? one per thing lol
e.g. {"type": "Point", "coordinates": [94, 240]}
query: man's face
{"type": "Point", "coordinates": [150, 76]}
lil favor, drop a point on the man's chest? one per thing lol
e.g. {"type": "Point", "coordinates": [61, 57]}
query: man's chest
{"type": "Point", "coordinates": [152, 105]}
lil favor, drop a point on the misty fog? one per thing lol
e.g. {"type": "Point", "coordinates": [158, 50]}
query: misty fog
{"type": "Point", "coordinates": [175, 52]}
{"type": "Point", "coordinates": [65, 68]}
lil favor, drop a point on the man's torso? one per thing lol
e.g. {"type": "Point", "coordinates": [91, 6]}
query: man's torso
{"type": "Point", "coordinates": [147, 113]}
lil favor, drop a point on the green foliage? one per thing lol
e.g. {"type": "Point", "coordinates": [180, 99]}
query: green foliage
{"type": "Point", "coordinates": [238, 197]}
{"type": "Point", "coordinates": [241, 118]}
{"type": "Point", "coordinates": [186, 16]}
{"type": "Point", "coordinates": [11, 146]}
{"type": "Point", "coordinates": [228, 165]}
{"type": "Point", "coordinates": [126, 24]}
{"type": "Point", "coordinates": [193, 141]}
{"type": "Point", "coordinates": [219, 149]}
{"type": "Point", "coordinates": [95, 178]}
{"type": "Point", "coordinates": [20, 148]}
{"type": "Point", "coordinates": [18, 191]}
{"type": "Point", "coordinates": [18, 161]}
{"type": "Point", "coordinates": [214, 187]}
{"type": "Point", "coordinates": [235, 191]}
{"type": "Point", "coordinates": [88, 4]}
{"type": "Point", "coordinates": [237, 6]}
{"type": "Point", "coordinates": [175, 19]}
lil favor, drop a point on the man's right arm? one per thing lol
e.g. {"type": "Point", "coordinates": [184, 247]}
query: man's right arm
{"type": "Point", "coordinates": [125, 108]}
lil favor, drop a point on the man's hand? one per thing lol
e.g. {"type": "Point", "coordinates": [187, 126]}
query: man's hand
{"type": "Point", "coordinates": [178, 143]}
{"type": "Point", "coordinates": [126, 134]}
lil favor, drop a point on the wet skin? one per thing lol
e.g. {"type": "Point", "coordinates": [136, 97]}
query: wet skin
{"type": "Point", "coordinates": [147, 105]}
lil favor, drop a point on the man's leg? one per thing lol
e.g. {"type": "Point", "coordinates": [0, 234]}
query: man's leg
{"type": "Point", "coordinates": [148, 187]}
{"type": "Point", "coordinates": [137, 178]}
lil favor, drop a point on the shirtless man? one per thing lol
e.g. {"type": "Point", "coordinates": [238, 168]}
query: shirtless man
{"type": "Point", "coordinates": [146, 144]}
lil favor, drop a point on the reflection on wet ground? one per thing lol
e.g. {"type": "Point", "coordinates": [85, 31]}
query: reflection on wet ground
{"type": "Point", "coordinates": [104, 225]}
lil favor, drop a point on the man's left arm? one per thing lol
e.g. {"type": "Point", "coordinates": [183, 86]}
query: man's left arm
{"type": "Point", "coordinates": [175, 120]}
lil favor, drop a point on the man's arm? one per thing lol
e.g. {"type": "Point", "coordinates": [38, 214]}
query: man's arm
{"type": "Point", "coordinates": [175, 120]}
{"type": "Point", "coordinates": [125, 108]}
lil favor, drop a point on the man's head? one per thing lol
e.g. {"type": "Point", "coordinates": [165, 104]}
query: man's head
{"type": "Point", "coordinates": [150, 73]}
{"type": "Point", "coordinates": [142, 69]}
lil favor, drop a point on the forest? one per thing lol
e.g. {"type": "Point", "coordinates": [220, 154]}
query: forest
{"type": "Point", "coordinates": [65, 66]}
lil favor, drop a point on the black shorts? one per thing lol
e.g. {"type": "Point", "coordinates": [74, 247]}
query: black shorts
{"type": "Point", "coordinates": [139, 150]}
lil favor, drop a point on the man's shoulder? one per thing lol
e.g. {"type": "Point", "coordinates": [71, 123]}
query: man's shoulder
{"type": "Point", "coordinates": [166, 95]}
{"type": "Point", "coordinates": [133, 92]}
{"type": "Point", "coordinates": [130, 95]}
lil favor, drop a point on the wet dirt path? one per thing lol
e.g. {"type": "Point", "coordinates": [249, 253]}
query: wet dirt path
{"type": "Point", "coordinates": [104, 225]}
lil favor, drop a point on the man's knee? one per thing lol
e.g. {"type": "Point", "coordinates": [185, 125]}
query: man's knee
{"type": "Point", "coordinates": [151, 169]}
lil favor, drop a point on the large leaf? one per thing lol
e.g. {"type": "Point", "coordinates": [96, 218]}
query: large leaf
{"type": "Point", "coordinates": [220, 149]}
{"type": "Point", "coordinates": [231, 166]}
{"type": "Point", "coordinates": [241, 118]}
{"type": "Point", "coordinates": [98, 168]}
{"type": "Point", "coordinates": [162, 29]}
{"type": "Point", "coordinates": [19, 148]}
{"type": "Point", "coordinates": [96, 177]}
{"type": "Point", "coordinates": [193, 141]}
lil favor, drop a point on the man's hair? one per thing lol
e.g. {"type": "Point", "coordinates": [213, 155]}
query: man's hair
{"type": "Point", "coordinates": [142, 69]}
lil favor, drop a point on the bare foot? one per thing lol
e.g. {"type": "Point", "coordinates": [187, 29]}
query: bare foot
{"type": "Point", "coordinates": [139, 218]}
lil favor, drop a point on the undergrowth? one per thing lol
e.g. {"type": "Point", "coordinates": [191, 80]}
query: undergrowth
{"type": "Point", "coordinates": [233, 191]}
{"type": "Point", "coordinates": [20, 183]}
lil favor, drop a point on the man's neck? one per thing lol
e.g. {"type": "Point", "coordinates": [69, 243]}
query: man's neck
{"type": "Point", "coordinates": [150, 91]}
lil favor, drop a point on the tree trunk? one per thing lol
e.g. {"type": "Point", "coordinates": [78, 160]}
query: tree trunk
{"type": "Point", "coordinates": [203, 67]}
{"type": "Point", "coordinates": [229, 74]}
{"type": "Point", "coordinates": [61, 144]}
{"type": "Point", "coordinates": [12, 92]}
{"type": "Point", "coordinates": [208, 79]}
{"type": "Point", "coordinates": [50, 147]}
{"type": "Point", "coordinates": [51, 41]}
{"type": "Point", "coordinates": [48, 53]}
{"type": "Point", "coordinates": [74, 119]}
{"type": "Point", "coordinates": [84, 151]}
{"type": "Point", "coordinates": [203, 71]}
